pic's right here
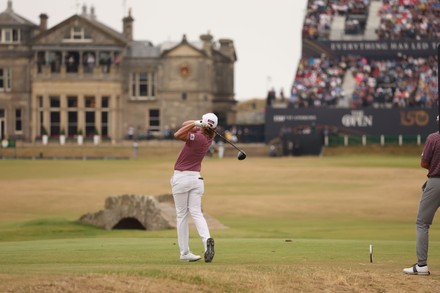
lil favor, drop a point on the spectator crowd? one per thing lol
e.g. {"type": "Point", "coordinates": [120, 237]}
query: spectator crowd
{"type": "Point", "coordinates": [402, 82]}
{"type": "Point", "coordinates": [399, 19]}
{"type": "Point", "coordinates": [405, 81]}
{"type": "Point", "coordinates": [320, 13]}
{"type": "Point", "coordinates": [409, 19]}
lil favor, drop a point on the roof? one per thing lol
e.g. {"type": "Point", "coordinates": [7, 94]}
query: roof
{"type": "Point", "coordinates": [9, 17]}
{"type": "Point", "coordinates": [103, 27]}
{"type": "Point", "coordinates": [119, 37]}
{"type": "Point", "coordinates": [171, 44]}
{"type": "Point", "coordinates": [142, 49]}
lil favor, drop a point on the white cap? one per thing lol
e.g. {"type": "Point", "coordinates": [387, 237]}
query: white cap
{"type": "Point", "coordinates": [210, 119]}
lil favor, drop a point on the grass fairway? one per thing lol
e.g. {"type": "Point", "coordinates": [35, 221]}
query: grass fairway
{"type": "Point", "coordinates": [294, 225]}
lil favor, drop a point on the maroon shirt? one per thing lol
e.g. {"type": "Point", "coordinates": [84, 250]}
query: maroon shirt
{"type": "Point", "coordinates": [193, 151]}
{"type": "Point", "coordinates": [431, 154]}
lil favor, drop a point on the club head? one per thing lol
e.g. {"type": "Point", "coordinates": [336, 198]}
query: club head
{"type": "Point", "coordinates": [241, 156]}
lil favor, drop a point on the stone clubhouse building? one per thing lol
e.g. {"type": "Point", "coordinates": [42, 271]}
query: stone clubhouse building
{"type": "Point", "coordinates": [83, 77]}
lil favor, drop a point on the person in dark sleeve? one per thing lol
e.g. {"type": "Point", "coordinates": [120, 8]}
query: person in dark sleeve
{"type": "Point", "coordinates": [429, 202]}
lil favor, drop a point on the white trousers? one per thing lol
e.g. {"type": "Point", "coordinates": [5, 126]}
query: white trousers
{"type": "Point", "coordinates": [188, 188]}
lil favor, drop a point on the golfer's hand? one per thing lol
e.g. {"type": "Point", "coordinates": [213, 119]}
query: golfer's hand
{"type": "Point", "coordinates": [199, 123]}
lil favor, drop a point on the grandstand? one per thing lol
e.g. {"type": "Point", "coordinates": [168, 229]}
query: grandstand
{"type": "Point", "coordinates": [368, 53]}
{"type": "Point", "coordinates": [369, 60]}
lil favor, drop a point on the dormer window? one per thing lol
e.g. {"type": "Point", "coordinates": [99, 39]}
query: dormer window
{"type": "Point", "coordinates": [9, 35]}
{"type": "Point", "coordinates": [76, 34]}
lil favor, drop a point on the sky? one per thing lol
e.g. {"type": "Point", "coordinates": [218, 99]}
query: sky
{"type": "Point", "coordinates": [266, 33]}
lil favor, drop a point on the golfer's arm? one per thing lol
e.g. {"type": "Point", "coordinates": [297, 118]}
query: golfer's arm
{"type": "Point", "coordinates": [424, 164]}
{"type": "Point", "coordinates": [182, 133]}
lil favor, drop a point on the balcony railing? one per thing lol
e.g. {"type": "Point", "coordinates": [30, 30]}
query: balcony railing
{"type": "Point", "coordinates": [77, 70]}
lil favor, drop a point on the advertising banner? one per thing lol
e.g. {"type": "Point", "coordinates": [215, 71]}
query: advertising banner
{"type": "Point", "coordinates": [378, 49]}
{"type": "Point", "coordinates": [368, 121]}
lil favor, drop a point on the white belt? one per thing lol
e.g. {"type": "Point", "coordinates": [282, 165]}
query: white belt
{"type": "Point", "coordinates": [193, 173]}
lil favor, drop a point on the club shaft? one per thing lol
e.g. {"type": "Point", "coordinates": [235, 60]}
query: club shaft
{"type": "Point", "coordinates": [224, 138]}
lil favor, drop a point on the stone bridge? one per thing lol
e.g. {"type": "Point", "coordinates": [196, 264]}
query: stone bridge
{"type": "Point", "coordinates": [144, 212]}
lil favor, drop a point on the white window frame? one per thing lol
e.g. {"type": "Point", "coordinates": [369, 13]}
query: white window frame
{"type": "Point", "coordinates": [6, 76]}
{"type": "Point", "coordinates": [77, 35]}
{"type": "Point", "coordinates": [135, 84]}
{"type": "Point", "coordinates": [7, 36]}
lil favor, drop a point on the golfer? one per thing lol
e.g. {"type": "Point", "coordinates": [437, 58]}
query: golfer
{"type": "Point", "coordinates": [429, 203]}
{"type": "Point", "coordinates": [188, 186]}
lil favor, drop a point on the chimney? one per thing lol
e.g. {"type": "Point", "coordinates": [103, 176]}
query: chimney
{"type": "Point", "coordinates": [128, 26]}
{"type": "Point", "coordinates": [43, 22]}
{"type": "Point", "coordinates": [207, 43]}
{"type": "Point", "coordinates": [9, 8]}
{"type": "Point", "coordinates": [227, 48]}
{"type": "Point", "coordinates": [92, 12]}
{"type": "Point", "coordinates": [84, 10]}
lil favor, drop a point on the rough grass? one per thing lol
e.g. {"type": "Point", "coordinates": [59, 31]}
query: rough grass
{"type": "Point", "coordinates": [295, 225]}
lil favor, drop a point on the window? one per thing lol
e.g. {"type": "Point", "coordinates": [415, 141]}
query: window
{"type": "Point", "coordinates": [54, 102]}
{"type": "Point", "coordinates": [90, 123]}
{"type": "Point", "coordinates": [104, 123]}
{"type": "Point", "coordinates": [76, 34]}
{"type": "Point", "coordinates": [153, 82]}
{"type": "Point", "coordinates": [133, 86]}
{"type": "Point", "coordinates": [5, 79]}
{"type": "Point", "coordinates": [90, 102]}
{"type": "Point", "coordinates": [90, 115]}
{"type": "Point", "coordinates": [2, 123]}
{"type": "Point", "coordinates": [40, 101]}
{"type": "Point", "coordinates": [42, 129]}
{"type": "Point", "coordinates": [15, 36]}
{"type": "Point", "coordinates": [55, 119]}
{"type": "Point", "coordinates": [154, 120]}
{"type": "Point", "coordinates": [55, 116]}
{"type": "Point", "coordinates": [10, 35]}
{"type": "Point", "coordinates": [142, 85]}
{"type": "Point", "coordinates": [72, 102]}
{"type": "Point", "coordinates": [72, 122]}
{"type": "Point", "coordinates": [105, 102]}
{"type": "Point", "coordinates": [18, 120]}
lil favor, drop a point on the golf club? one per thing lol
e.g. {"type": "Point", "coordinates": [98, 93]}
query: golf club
{"type": "Point", "coordinates": [241, 155]}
